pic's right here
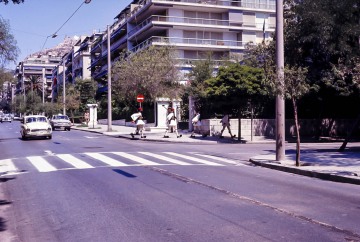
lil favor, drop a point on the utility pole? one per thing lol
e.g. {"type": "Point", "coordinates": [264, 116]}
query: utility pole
{"type": "Point", "coordinates": [43, 85]}
{"type": "Point", "coordinates": [280, 99]}
{"type": "Point", "coordinates": [64, 105]}
{"type": "Point", "coordinates": [109, 80]}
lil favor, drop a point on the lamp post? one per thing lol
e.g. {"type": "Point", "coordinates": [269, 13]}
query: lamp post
{"type": "Point", "coordinates": [64, 105]}
{"type": "Point", "coordinates": [109, 80]}
{"type": "Point", "coordinates": [280, 102]}
{"type": "Point", "coordinates": [43, 85]}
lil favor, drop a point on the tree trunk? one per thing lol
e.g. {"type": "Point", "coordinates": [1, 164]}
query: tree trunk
{"type": "Point", "coordinates": [343, 146]}
{"type": "Point", "coordinates": [239, 121]}
{"type": "Point", "coordinates": [297, 161]}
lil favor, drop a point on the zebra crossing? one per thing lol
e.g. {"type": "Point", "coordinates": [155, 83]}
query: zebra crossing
{"type": "Point", "coordinates": [89, 160]}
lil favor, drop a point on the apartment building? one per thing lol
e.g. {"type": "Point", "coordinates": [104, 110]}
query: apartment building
{"type": "Point", "coordinates": [75, 62]}
{"type": "Point", "coordinates": [193, 27]}
{"type": "Point", "coordinates": [36, 67]}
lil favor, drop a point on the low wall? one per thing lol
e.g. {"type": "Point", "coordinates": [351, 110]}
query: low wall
{"type": "Point", "coordinates": [266, 127]}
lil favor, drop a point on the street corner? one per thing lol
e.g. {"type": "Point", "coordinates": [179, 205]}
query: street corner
{"type": "Point", "coordinates": [329, 173]}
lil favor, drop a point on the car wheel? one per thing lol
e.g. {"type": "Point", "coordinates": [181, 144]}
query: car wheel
{"type": "Point", "coordinates": [50, 137]}
{"type": "Point", "coordinates": [68, 129]}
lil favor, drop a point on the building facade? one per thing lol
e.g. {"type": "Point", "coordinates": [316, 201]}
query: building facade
{"type": "Point", "coordinates": [36, 72]}
{"type": "Point", "coordinates": [193, 27]}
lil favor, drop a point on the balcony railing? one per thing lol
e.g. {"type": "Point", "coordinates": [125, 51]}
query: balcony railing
{"type": "Point", "coordinates": [188, 41]}
{"type": "Point", "coordinates": [188, 61]}
{"type": "Point", "coordinates": [196, 21]}
{"type": "Point", "coordinates": [254, 4]}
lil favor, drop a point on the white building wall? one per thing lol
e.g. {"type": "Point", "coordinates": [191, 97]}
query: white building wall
{"type": "Point", "coordinates": [176, 12]}
{"type": "Point", "coordinates": [176, 33]}
{"type": "Point", "coordinates": [249, 36]}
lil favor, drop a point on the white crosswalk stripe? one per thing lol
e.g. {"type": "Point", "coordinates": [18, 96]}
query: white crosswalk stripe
{"type": "Point", "coordinates": [114, 159]}
{"type": "Point", "coordinates": [77, 163]}
{"type": "Point", "coordinates": [220, 159]}
{"type": "Point", "coordinates": [136, 158]}
{"type": "Point", "coordinates": [105, 159]}
{"type": "Point", "coordinates": [194, 159]}
{"type": "Point", "coordinates": [41, 164]}
{"type": "Point", "coordinates": [161, 157]}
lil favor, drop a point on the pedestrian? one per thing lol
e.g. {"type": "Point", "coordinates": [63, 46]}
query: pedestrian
{"type": "Point", "coordinates": [172, 126]}
{"type": "Point", "coordinates": [225, 121]}
{"type": "Point", "coordinates": [197, 125]}
{"type": "Point", "coordinates": [137, 118]}
{"type": "Point", "coordinates": [169, 116]}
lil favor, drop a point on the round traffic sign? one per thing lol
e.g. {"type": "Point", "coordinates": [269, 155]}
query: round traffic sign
{"type": "Point", "coordinates": [140, 98]}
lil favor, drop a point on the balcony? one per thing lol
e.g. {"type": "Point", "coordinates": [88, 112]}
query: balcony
{"type": "Point", "coordinates": [252, 4]}
{"type": "Point", "coordinates": [197, 22]}
{"type": "Point", "coordinates": [189, 42]}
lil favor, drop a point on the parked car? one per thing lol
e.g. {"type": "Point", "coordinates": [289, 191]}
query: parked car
{"type": "Point", "coordinates": [6, 118]}
{"type": "Point", "coordinates": [35, 126]}
{"type": "Point", "coordinates": [60, 121]}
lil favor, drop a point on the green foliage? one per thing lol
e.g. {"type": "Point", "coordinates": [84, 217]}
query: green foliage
{"type": "Point", "coordinates": [14, 1]}
{"type": "Point", "coordinates": [87, 91]}
{"type": "Point", "coordinates": [151, 72]}
{"type": "Point", "coordinates": [72, 99]}
{"type": "Point", "coordinates": [8, 49]}
{"type": "Point", "coordinates": [33, 104]}
{"type": "Point", "coordinates": [235, 87]}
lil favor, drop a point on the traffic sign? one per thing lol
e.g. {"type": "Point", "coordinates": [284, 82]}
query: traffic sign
{"type": "Point", "coordinates": [140, 98]}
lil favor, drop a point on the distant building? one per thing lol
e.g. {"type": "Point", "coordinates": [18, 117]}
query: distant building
{"type": "Point", "coordinates": [40, 66]}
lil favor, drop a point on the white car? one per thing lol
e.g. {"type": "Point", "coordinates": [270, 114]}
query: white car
{"type": "Point", "coordinates": [6, 118]}
{"type": "Point", "coordinates": [35, 126]}
{"type": "Point", "coordinates": [60, 121]}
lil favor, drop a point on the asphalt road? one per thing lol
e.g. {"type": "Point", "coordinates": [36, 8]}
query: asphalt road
{"type": "Point", "coordinates": [88, 187]}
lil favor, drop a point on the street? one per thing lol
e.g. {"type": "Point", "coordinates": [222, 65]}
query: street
{"type": "Point", "coordinates": [82, 186]}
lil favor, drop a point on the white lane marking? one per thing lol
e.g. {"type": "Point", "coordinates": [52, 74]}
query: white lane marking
{"type": "Point", "coordinates": [74, 161]}
{"type": "Point", "coordinates": [41, 164]}
{"type": "Point", "coordinates": [91, 137]}
{"type": "Point", "coordinates": [49, 152]}
{"type": "Point", "coordinates": [105, 159]}
{"type": "Point", "coordinates": [194, 159]}
{"type": "Point", "coordinates": [7, 165]}
{"type": "Point", "coordinates": [161, 157]}
{"type": "Point", "coordinates": [220, 159]}
{"type": "Point", "coordinates": [136, 159]}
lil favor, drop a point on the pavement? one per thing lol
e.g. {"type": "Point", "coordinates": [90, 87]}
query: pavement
{"type": "Point", "coordinates": [322, 163]}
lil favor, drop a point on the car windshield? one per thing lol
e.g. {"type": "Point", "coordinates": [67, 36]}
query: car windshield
{"type": "Point", "coordinates": [35, 119]}
{"type": "Point", "coordinates": [61, 117]}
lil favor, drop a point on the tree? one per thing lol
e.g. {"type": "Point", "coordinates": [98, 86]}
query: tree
{"type": "Point", "coordinates": [151, 72]}
{"type": "Point", "coordinates": [33, 103]}
{"type": "Point", "coordinates": [295, 83]}
{"type": "Point", "coordinates": [236, 87]}
{"type": "Point", "coordinates": [8, 49]}
{"type": "Point", "coordinates": [72, 100]}
{"type": "Point", "coordinates": [201, 71]}
{"type": "Point", "coordinates": [14, 1]}
{"type": "Point", "coordinates": [87, 91]}
{"type": "Point", "coordinates": [296, 87]}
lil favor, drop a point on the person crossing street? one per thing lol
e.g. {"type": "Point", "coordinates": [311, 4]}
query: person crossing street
{"type": "Point", "coordinates": [137, 118]}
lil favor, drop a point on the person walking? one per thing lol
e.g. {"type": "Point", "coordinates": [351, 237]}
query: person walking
{"type": "Point", "coordinates": [197, 126]}
{"type": "Point", "coordinates": [172, 127]}
{"type": "Point", "coordinates": [225, 121]}
{"type": "Point", "coordinates": [140, 124]}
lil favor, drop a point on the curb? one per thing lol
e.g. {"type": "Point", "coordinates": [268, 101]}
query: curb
{"type": "Point", "coordinates": [315, 174]}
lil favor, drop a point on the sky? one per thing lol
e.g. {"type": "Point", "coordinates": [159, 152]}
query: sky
{"type": "Point", "coordinates": [32, 21]}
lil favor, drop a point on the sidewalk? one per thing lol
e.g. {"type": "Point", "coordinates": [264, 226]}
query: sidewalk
{"type": "Point", "coordinates": [327, 164]}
